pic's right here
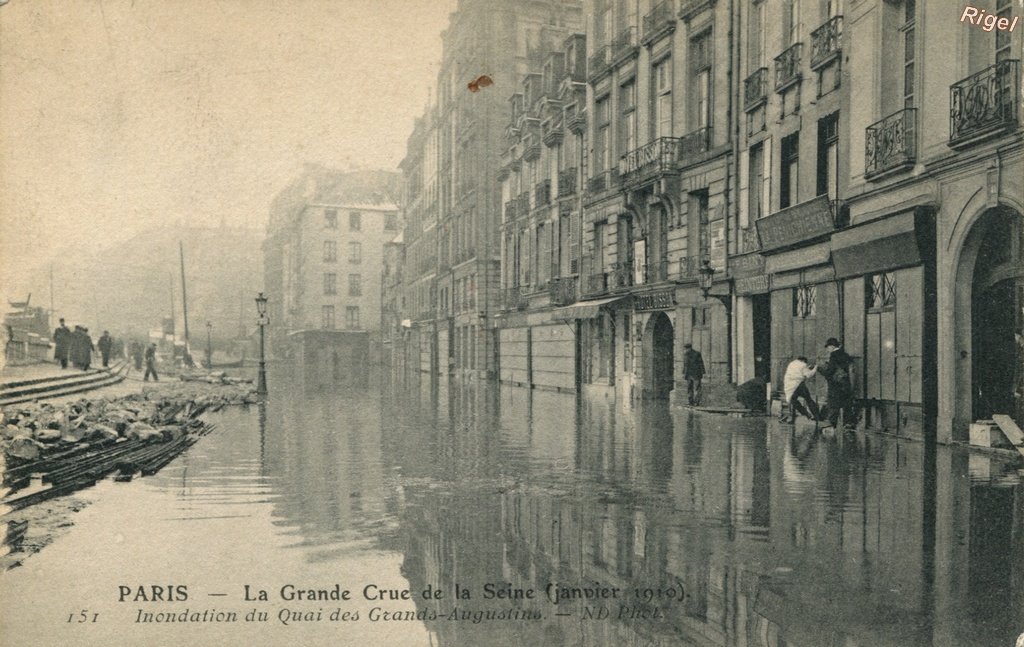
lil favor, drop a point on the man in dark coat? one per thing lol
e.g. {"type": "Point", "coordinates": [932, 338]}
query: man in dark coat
{"type": "Point", "coordinates": [105, 345]}
{"type": "Point", "coordinates": [62, 343]}
{"type": "Point", "coordinates": [840, 384]}
{"type": "Point", "coordinates": [87, 349]}
{"type": "Point", "coordinates": [75, 347]}
{"type": "Point", "coordinates": [693, 373]}
{"type": "Point", "coordinates": [151, 364]}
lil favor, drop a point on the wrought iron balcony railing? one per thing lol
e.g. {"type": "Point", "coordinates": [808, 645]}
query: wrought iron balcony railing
{"type": "Point", "coordinates": [755, 89]}
{"type": "Point", "coordinates": [695, 143]}
{"type": "Point", "coordinates": [657, 157]}
{"type": "Point", "coordinates": [600, 61]}
{"type": "Point", "coordinates": [542, 193]}
{"type": "Point", "coordinates": [826, 42]}
{"type": "Point", "coordinates": [523, 203]}
{"type": "Point", "coordinates": [985, 102]}
{"type": "Point", "coordinates": [566, 182]}
{"type": "Point", "coordinates": [562, 290]}
{"type": "Point", "coordinates": [891, 143]}
{"type": "Point", "coordinates": [624, 44]}
{"type": "Point", "coordinates": [661, 20]}
{"type": "Point", "coordinates": [510, 210]}
{"type": "Point", "coordinates": [787, 67]}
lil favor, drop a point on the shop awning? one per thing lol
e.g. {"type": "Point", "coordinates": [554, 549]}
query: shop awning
{"type": "Point", "coordinates": [876, 246]}
{"type": "Point", "coordinates": [586, 309]}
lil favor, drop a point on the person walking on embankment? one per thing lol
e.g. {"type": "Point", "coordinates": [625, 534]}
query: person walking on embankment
{"type": "Point", "coordinates": [151, 364]}
{"type": "Point", "coordinates": [62, 343]}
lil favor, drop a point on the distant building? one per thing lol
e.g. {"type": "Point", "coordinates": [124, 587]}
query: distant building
{"type": "Point", "coordinates": [323, 258]}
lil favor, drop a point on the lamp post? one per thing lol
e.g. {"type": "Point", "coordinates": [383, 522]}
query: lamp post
{"type": "Point", "coordinates": [209, 345]}
{"type": "Point", "coordinates": [705, 279]}
{"type": "Point", "coordinates": [264, 321]}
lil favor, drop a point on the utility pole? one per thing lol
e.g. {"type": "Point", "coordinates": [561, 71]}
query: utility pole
{"type": "Point", "coordinates": [184, 296]}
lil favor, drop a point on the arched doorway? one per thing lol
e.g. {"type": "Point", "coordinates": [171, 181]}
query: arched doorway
{"type": "Point", "coordinates": [659, 351]}
{"type": "Point", "coordinates": [989, 317]}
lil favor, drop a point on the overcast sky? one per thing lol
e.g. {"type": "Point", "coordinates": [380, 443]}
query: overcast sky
{"type": "Point", "coordinates": [117, 115]}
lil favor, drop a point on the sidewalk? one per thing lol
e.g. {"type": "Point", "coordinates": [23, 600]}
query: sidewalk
{"type": "Point", "coordinates": [33, 372]}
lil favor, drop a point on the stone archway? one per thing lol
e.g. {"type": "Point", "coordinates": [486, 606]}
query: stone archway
{"type": "Point", "coordinates": [659, 356]}
{"type": "Point", "coordinates": [988, 320]}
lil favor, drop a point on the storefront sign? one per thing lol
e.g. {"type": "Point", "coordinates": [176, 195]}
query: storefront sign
{"type": "Point", "coordinates": [663, 300]}
{"type": "Point", "coordinates": [799, 259]}
{"type": "Point", "coordinates": [801, 222]}
{"type": "Point", "coordinates": [752, 285]}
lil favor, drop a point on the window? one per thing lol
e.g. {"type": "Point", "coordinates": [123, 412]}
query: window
{"type": "Point", "coordinates": [1003, 37]}
{"type": "Point", "coordinates": [355, 221]}
{"type": "Point", "coordinates": [755, 38]}
{"type": "Point", "coordinates": [330, 251]}
{"type": "Point", "coordinates": [757, 206]}
{"type": "Point", "coordinates": [908, 53]}
{"type": "Point", "coordinates": [880, 291]}
{"type": "Point", "coordinates": [790, 22]}
{"type": "Point", "coordinates": [352, 317]}
{"type": "Point", "coordinates": [331, 218]}
{"type": "Point", "coordinates": [327, 317]}
{"type": "Point", "coordinates": [702, 219]}
{"type": "Point", "coordinates": [661, 119]}
{"type": "Point", "coordinates": [330, 283]}
{"type": "Point", "coordinates": [789, 180]}
{"type": "Point", "coordinates": [804, 301]}
{"type": "Point", "coordinates": [390, 221]}
{"type": "Point", "coordinates": [828, 155]}
{"type": "Point", "coordinates": [602, 143]}
{"type": "Point", "coordinates": [700, 70]}
{"type": "Point", "coordinates": [355, 252]}
{"type": "Point", "coordinates": [355, 285]}
{"type": "Point", "coordinates": [627, 100]}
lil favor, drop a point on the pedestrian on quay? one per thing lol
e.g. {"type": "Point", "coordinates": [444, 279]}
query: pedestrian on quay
{"type": "Point", "coordinates": [693, 373]}
{"type": "Point", "coordinates": [151, 364]}
{"type": "Point", "coordinates": [105, 345]}
{"type": "Point", "coordinates": [840, 384]}
{"type": "Point", "coordinates": [62, 343]}
{"type": "Point", "coordinates": [794, 386]}
{"type": "Point", "coordinates": [136, 352]}
{"type": "Point", "coordinates": [87, 348]}
{"type": "Point", "coordinates": [75, 347]}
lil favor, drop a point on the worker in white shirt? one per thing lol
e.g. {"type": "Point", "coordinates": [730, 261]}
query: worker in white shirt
{"type": "Point", "coordinates": [794, 384]}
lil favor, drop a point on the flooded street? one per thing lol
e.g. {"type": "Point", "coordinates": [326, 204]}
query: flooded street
{"type": "Point", "coordinates": [569, 521]}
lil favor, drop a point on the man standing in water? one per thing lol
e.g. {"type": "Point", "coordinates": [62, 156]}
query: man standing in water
{"type": "Point", "coordinates": [693, 373]}
{"type": "Point", "coordinates": [840, 385]}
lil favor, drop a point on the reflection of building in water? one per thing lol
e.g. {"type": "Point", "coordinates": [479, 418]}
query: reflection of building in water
{"type": "Point", "coordinates": [776, 537]}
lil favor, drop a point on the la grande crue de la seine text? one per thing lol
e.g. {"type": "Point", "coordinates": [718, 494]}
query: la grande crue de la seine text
{"type": "Point", "coordinates": [553, 592]}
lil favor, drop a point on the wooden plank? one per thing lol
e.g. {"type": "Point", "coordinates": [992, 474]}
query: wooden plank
{"type": "Point", "coordinates": [1010, 430]}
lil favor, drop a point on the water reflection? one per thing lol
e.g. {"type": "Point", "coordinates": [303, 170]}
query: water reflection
{"type": "Point", "coordinates": [778, 536]}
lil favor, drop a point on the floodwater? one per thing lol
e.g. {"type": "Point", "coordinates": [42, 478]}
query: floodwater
{"type": "Point", "coordinates": [647, 525]}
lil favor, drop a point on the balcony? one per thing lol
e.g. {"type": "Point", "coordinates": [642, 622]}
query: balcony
{"type": "Point", "coordinates": [562, 290]}
{"type": "Point", "coordinates": [688, 9]}
{"type": "Point", "coordinates": [826, 42]}
{"type": "Point", "coordinates": [695, 143]}
{"type": "Point", "coordinates": [787, 67]}
{"type": "Point", "coordinates": [650, 160]}
{"type": "Point", "coordinates": [510, 210]}
{"type": "Point", "coordinates": [659, 22]}
{"type": "Point", "coordinates": [566, 182]}
{"type": "Point", "coordinates": [531, 148]}
{"type": "Point", "coordinates": [600, 62]}
{"type": "Point", "coordinates": [621, 276]}
{"type": "Point", "coordinates": [576, 120]}
{"type": "Point", "coordinates": [984, 103]}
{"type": "Point", "coordinates": [515, 298]}
{"type": "Point", "coordinates": [597, 284]}
{"type": "Point", "coordinates": [624, 45]}
{"type": "Point", "coordinates": [891, 144]}
{"type": "Point", "coordinates": [755, 89]}
{"type": "Point", "coordinates": [542, 194]}
{"type": "Point", "coordinates": [523, 203]}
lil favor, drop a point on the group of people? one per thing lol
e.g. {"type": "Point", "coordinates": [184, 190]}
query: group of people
{"type": "Point", "coordinates": [76, 347]}
{"type": "Point", "coordinates": [836, 371]}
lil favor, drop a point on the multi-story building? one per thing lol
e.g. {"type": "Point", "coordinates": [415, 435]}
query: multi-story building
{"type": "Point", "coordinates": [755, 177]}
{"type": "Point", "coordinates": [452, 188]}
{"type": "Point", "coordinates": [323, 260]}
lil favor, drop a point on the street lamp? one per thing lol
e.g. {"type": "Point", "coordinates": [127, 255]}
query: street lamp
{"type": "Point", "coordinates": [264, 321]}
{"type": "Point", "coordinates": [209, 345]}
{"type": "Point", "coordinates": [705, 278]}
